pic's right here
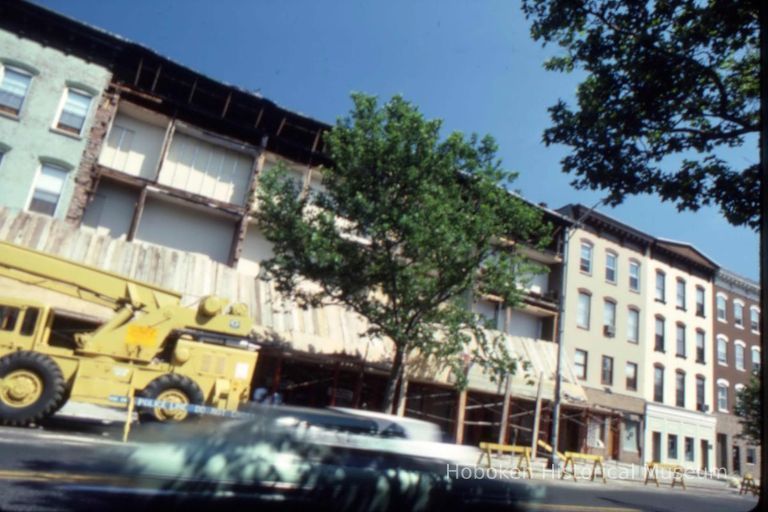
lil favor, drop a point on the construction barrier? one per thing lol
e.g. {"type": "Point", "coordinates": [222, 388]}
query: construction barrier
{"type": "Point", "coordinates": [548, 448]}
{"type": "Point", "coordinates": [678, 473]}
{"type": "Point", "coordinates": [748, 484]}
{"type": "Point", "coordinates": [523, 452]}
{"type": "Point", "coordinates": [597, 462]}
{"type": "Point", "coordinates": [133, 402]}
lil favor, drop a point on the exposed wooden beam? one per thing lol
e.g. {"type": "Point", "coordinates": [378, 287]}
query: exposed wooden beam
{"type": "Point", "coordinates": [226, 105]}
{"type": "Point", "coordinates": [137, 213]}
{"type": "Point", "coordinates": [157, 77]}
{"type": "Point", "coordinates": [138, 71]}
{"type": "Point", "coordinates": [192, 91]}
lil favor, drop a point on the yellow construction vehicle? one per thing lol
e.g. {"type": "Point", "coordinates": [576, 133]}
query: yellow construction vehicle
{"type": "Point", "coordinates": [150, 344]}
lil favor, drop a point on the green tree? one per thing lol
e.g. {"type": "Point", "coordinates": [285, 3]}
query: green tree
{"type": "Point", "coordinates": [404, 229]}
{"type": "Point", "coordinates": [747, 408]}
{"type": "Point", "coordinates": [669, 87]}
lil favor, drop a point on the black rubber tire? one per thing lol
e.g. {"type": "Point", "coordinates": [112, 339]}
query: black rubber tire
{"type": "Point", "coordinates": [167, 382]}
{"type": "Point", "coordinates": [54, 387]}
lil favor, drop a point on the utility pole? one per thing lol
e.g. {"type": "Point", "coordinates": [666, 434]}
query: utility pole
{"type": "Point", "coordinates": [537, 416]}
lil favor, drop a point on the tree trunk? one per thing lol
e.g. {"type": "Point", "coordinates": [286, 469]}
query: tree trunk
{"type": "Point", "coordinates": [395, 374]}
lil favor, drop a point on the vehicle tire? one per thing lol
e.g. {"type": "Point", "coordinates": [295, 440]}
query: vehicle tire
{"type": "Point", "coordinates": [175, 388]}
{"type": "Point", "coordinates": [31, 387]}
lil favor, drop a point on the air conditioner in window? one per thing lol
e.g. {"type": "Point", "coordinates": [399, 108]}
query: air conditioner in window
{"type": "Point", "coordinates": [609, 331]}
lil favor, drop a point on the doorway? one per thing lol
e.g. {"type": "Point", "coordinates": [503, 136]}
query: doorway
{"type": "Point", "coordinates": [722, 452]}
{"type": "Point", "coordinates": [656, 446]}
{"type": "Point", "coordinates": [736, 459]}
{"type": "Point", "coordinates": [704, 455]}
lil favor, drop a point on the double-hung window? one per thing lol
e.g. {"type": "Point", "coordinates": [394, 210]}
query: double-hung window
{"type": "Point", "coordinates": [74, 111]}
{"type": "Point", "coordinates": [658, 344]}
{"type": "Point", "coordinates": [661, 286]}
{"type": "Point", "coordinates": [634, 276]}
{"type": "Point", "coordinates": [583, 311]}
{"type": "Point", "coordinates": [700, 346]}
{"type": "Point", "coordinates": [680, 388]}
{"type": "Point", "coordinates": [48, 186]}
{"type": "Point", "coordinates": [738, 314]}
{"type": "Point", "coordinates": [722, 350]}
{"type": "Point", "coordinates": [580, 364]}
{"type": "Point", "coordinates": [700, 301]}
{"type": "Point", "coordinates": [680, 338]}
{"type": "Point", "coordinates": [606, 377]}
{"type": "Point", "coordinates": [14, 85]}
{"type": "Point", "coordinates": [633, 325]}
{"type": "Point", "coordinates": [610, 266]}
{"type": "Point", "coordinates": [585, 262]}
{"type": "Point", "coordinates": [680, 295]}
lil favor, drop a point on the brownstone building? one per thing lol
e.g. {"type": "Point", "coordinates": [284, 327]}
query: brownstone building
{"type": "Point", "coordinates": [737, 356]}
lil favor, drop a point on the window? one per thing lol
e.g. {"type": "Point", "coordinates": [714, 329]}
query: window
{"type": "Point", "coordinates": [580, 362]}
{"type": "Point", "coordinates": [721, 306]}
{"type": "Point", "coordinates": [755, 359]}
{"type": "Point", "coordinates": [754, 313]}
{"type": "Point", "coordinates": [680, 295]}
{"type": "Point", "coordinates": [671, 446]}
{"type": "Point", "coordinates": [631, 371]}
{"type": "Point", "coordinates": [634, 276]}
{"type": "Point", "coordinates": [722, 350]}
{"type": "Point", "coordinates": [609, 318]}
{"type": "Point", "coordinates": [633, 325]}
{"type": "Point", "coordinates": [658, 384]}
{"type": "Point", "coordinates": [680, 338]}
{"type": "Point", "coordinates": [661, 285]}
{"type": "Point", "coordinates": [680, 388]}
{"type": "Point", "coordinates": [606, 376]}
{"type": "Point", "coordinates": [689, 449]}
{"type": "Point", "coordinates": [700, 300]}
{"type": "Point", "coordinates": [2, 153]}
{"type": "Point", "coordinates": [585, 264]}
{"type": "Point", "coordinates": [738, 314]}
{"type": "Point", "coordinates": [48, 186]}
{"type": "Point", "coordinates": [722, 395]}
{"type": "Point", "coordinates": [700, 346]}
{"type": "Point", "coordinates": [8, 317]}
{"type": "Point", "coordinates": [631, 440]}
{"type": "Point", "coordinates": [13, 89]}
{"type": "Point", "coordinates": [700, 388]}
{"type": "Point", "coordinates": [29, 322]}
{"type": "Point", "coordinates": [610, 266]}
{"type": "Point", "coordinates": [738, 354]}
{"type": "Point", "coordinates": [751, 454]}
{"type": "Point", "coordinates": [583, 313]}
{"type": "Point", "coordinates": [74, 111]}
{"type": "Point", "coordinates": [659, 340]}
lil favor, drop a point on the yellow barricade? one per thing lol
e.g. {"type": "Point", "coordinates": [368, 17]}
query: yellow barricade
{"type": "Point", "coordinates": [678, 473]}
{"type": "Point", "coordinates": [524, 452]}
{"type": "Point", "coordinates": [596, 459]}
{"type": "Point", "coordinates": [748, 484]}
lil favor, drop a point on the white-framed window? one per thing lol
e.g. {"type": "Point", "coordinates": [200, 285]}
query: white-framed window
{"type": "Point", "coordinates": [751, 455]}
{"type": "Point", "coordinates": [701, 347]}
{"type": "Point", "coordinates": [680, 388]}
{"type": "Point", "coordinates": [659, 331]}
{"type": "Point", "coordinates": [2, 154]}
{"type": "Point", "coordinates": [680, 339]}
{"type": "Point", "coordinates": [14, 85]}
{"type": "Point", "coordinates": [672, 446]}
{"type": "Point", "coordinates": [722, 350]}
{"type": "Point", "coordinates": [701, 309]}
{"type": "Point", "coordinates": [754, 319]}
{"type": "Point", "coordinates": [658, 384]}
{"type": "Point", "coordinates": [755, 359]}
{"type": "Point", "coordinates": [738, 314]}
{"type": "Point", "coordinates": [680, 294]}
{"type": "Point", "coordinates": [631, 374]}
{"type": "Point", "coordinates": [700, 390]}
{"type": "Point", "coordinates": [722, 395]}
{"type": "Point", "coordinates": [634, 276]}
{"type": "Point", "coordinates": [721, 307]}
{"type": "Point", "coordinates": [661, 286]}
{"type": "Point", "coordinates": [689, 447]}
{"type": "Point", "coordinates": [738, 354]}
{"type": "Point", "coordinates": [609, 318]}
{"type": "Point", "coordinates": [633, 325]}
{"type": "Point", "coordinates": [583, 312]}
{"type": "Point", "coordinates": [611, 266]}
{"type": "Point", "coordinates": [580, 364]}
{"type": "Point", "coordinates": [73, 112]}
{"type": "Point", "coordinates": [49, 183]}
{"type": "Point", "coordinates": [585, 262]}
{"type": "Point", "coordinates": [606, 375]}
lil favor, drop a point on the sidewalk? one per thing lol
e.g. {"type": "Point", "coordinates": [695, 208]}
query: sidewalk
{"type": "Point", "coordinates": [91, 412]}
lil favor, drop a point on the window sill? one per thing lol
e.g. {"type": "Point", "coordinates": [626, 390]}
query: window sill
{"type": "Point", "coordinates": [681, 308]}
{"type": "Point", "coordinates": [740, 327]}
{"type": "Point", "coordinates": [65, 133]}
{"type": "Point", "coordinates": [722, 364]}
{"type": "Point", "coordinates": [722, 320]}
{"type": "Point", "coordinates": [701, 362]}
{"type": "Point", "coordinates": [741, 369]}
{"type": "Point", "coordinates": [660, 350]}
{"type": "Point", "coordinates": [582, 327]}
{"type": "Point", "coordinates": [681, 356]}
{"type": "Point", "coordinates": [635, 291]}
{"type": "Point", "coordinates": [8, 115]}
{"type": "Point", "coordinates": [660, 301]}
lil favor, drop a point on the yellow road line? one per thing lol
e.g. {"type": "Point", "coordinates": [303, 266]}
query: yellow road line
{"type": "Point", "coordinates": [576, 508]}
{"type": "Point", "coordinates": [44, 476]}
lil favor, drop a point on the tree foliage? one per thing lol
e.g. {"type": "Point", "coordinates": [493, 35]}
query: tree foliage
{"type": "Point", "coordinates": [670, 86]}
{"type": "Point", "coordinates": [747, 408]}
{"type": "Point", "coordinates": [404, 229]}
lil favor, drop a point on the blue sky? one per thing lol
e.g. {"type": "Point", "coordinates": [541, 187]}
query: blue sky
{"type": "Point", "coordinates": [469, 63]}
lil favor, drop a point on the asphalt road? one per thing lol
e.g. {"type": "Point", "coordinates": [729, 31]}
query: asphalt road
{"type": "Point", "coordinates": [46, 469]}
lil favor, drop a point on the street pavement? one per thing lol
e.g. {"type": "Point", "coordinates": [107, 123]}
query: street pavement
{"type": "Point", "coordinates": [41, 467]}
